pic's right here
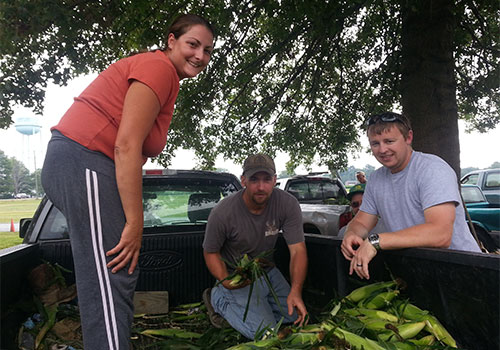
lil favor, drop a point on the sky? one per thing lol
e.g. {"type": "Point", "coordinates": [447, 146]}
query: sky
{"type": "Point", "coordinates": [477, 150]}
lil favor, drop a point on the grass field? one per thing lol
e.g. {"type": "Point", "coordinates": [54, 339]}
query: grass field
{"type": "Point", "coordinates": [9, 239]}
{"type": "Point", "coordinates": [17, 208]}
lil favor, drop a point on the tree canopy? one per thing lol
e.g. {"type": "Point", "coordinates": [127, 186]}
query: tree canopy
{"type": "Point", "coordinates": [297, 76]}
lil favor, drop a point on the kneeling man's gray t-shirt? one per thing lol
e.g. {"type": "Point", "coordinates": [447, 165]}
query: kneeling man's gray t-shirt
{"type": "Point", "coordinates": [401, 198]}
{"type": "Point", "coordinates": [234, 231]}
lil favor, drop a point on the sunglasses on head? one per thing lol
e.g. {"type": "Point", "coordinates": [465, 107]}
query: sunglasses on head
{"type": "Point", "coordinates": [385, 117]}
{"type": "Point", "coordinates": [355, 204]}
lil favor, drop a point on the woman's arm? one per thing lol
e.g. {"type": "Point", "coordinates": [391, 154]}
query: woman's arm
{"type": "Point", "coordinates": [140, 109]}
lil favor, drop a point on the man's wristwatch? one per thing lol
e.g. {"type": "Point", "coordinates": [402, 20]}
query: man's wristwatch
{"type": "Point", "coordinates": [373, 238]}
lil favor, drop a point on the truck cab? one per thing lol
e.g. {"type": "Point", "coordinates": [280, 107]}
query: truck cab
{"type": "Point", "coordinates": [488, 181]}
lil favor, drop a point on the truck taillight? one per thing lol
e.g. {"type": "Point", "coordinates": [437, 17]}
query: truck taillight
{"type": "Point", "coordinates": [344, 219]}
{"type": "Point", "coordinates": [153, 172]}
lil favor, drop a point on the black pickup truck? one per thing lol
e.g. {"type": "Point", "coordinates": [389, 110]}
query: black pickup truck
{"type": "Point", "coordinates": [460, 288]}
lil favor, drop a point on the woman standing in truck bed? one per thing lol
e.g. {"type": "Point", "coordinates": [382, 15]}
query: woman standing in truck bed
{"type": "Point", "coordinates": [93, 172]}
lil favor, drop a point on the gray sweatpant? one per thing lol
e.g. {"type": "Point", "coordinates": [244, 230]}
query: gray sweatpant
{"type": "Point", "coordinates": [82, 185]}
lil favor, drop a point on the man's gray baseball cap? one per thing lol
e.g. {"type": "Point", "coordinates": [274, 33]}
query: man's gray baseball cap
{"type": "Point", "coordinates": [257, 163]}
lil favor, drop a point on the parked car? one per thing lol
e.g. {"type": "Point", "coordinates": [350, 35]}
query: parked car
{"type": "Point", "coordinates": [323, 201]}
{"type": "Point", "coordinates": [349, 183]}
{"type": "Point", "coordinates": [488, 181]}
{"type": "Point", "coordinates": [484, 216]}
{"type": "Point", "coordinates": [21, 196]}
{"type": "Point", "coordinates": [314, 189]}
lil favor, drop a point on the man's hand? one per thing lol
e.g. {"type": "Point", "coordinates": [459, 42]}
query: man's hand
{"type": "Point", "coordinates": [357, 229]}
{"type": "Point", "coordinates": [361, 259]}
{"type": "Point", "coordinates": [294, 301]}
{"type": "Point", "coordinates": [350, 244]}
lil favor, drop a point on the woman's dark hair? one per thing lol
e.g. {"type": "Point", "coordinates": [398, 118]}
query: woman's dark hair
{"type": "Point", "coordinates": [183, 23]}
{"type": "Point", "coordinates": [179, 26]}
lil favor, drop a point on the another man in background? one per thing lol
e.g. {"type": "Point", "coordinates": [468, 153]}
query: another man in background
{"type": "Point", "coordinates": [416, 194]}
{"type": "Point", "coordinates": [361, 177]}
{"type": "Point", "coordinates": [355, 196]}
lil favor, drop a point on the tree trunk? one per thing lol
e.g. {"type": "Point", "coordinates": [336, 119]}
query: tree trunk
{"type": "Point", "coordinates": [428, 85]}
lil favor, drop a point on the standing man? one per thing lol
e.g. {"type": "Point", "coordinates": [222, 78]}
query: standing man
{"type": "Point", "coordinates": [416, 194]}
{"type": "Point", "coordinates": [360, 175]}
{"type": "Point", "coordinates": [248, 222]}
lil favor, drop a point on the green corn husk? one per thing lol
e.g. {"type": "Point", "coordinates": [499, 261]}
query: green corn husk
{"type": "Point", "coordinates": [259, 344]}
{"type": "Point", "coordinates": [380, 300]}
{"type": "Point", "coordinates": [190, 306]}
{"type": "Point", "coordinates": [405, 331]}
{"type": "Point", "coordinates": [50, 313]}
{"type": "Point", "coordinates": [433, 326]}
{"type": "Point", "coordinates": [384, 315]}
{"type": "Point", "coordinates": [425, 340]}
{"type": "Point", "coordinates": [375, 324]}
{"type": "Point", "coordinates": [356, 340]}
{"type": "Point", "coordinates": [412, 312]}
{"type": "Point", "coordinates": [353, 312]}
{"type": "Point", "coordinates": [311, 328]}
{"type": "Point", "coordinates": [336, 309]}
{"type": "Point", "coordinates": [363, 292]}
{"type": "Point", "coordinates": [237, 280]}
{"type": "Point", "coordinates": [172, 332]}
{"type": "Point", "coordinates": [304, 338]}
{"type": "Point", "coordinates": [404, 345]}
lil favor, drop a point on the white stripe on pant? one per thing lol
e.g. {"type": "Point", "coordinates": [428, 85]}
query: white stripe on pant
{"type": "Point", "coordinates": [100, 260]}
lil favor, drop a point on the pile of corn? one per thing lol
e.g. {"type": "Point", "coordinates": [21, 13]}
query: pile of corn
{"type": "Point", "coordinates": [372, 317]}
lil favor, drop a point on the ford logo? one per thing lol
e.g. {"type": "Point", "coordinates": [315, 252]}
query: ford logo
{"type": "Point", "coordinates": [159, 260]}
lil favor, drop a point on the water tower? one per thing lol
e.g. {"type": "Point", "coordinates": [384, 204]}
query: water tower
{"type": "Point", "coordinates": [28, 126]}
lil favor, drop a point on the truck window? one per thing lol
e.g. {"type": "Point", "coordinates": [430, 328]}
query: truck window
{"type": "Point", "coordinates": [471, 179]}
{"type": "Point", "coordinates": [55, 226]}
{"type": "Point", "coordinates": [181, 201]}
{"type": "Point", "coordinates": [472, 195]}
{"type": "Point", "coordinates": [492, 180]}
{"type": "Point", "coordinates": [300, 189]}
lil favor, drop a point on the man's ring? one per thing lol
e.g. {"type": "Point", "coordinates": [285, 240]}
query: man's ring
{"type": "Point", "coordinates": [360, 265]}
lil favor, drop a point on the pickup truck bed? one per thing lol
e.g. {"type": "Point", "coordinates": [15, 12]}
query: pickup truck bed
{"type": "Point", "coordinates": [460, 288]}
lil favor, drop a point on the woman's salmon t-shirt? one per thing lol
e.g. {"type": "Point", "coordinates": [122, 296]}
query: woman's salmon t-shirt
{"type": "Point", "coordinates": [94, 117]}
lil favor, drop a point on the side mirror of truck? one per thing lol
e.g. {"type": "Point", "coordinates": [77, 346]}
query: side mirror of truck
{"type": "Point", "coordinates": [24, 223]}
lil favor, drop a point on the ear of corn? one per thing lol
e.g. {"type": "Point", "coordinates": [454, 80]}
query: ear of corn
{"type": "Point", "coordinates": [259, 344]}
{"type": "Point", "coordinates": [353, 312]}
{"type": "Point", "coordinates": [356, 340]}
{"type": "Point", "coordinates": [433, 326]}
{"type": "Point", "coordinates": [305, 338]}
{"type": "Point", "coordinates": [236, 280]}
{"type": "Point", "coordinates": [399, 345]}
{"type": "Point", "coordinates": [336, 309]}
{"type": "Point", "coordinates": [374, 323]}
{"type": "Point", "coordinates": [171, 332]}
{"type": "Point", "coordinates": [363, 292]}
{"type": "Point", "coordinates": [380, 300]}
{"type": "Point", "coordinates": [384, 315]}
{"type": "Point", "coordinates": [311, 328]}
{"type": "Point", "coordinates": [411, 312]}
{"type": "Point", "coordinates": [404, 331]}
{"type": "Point", "coordinates": [425, 340]}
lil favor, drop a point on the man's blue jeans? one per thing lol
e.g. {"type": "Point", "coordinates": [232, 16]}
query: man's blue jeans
{"type": "Point", "coordinates": [262, 311]}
